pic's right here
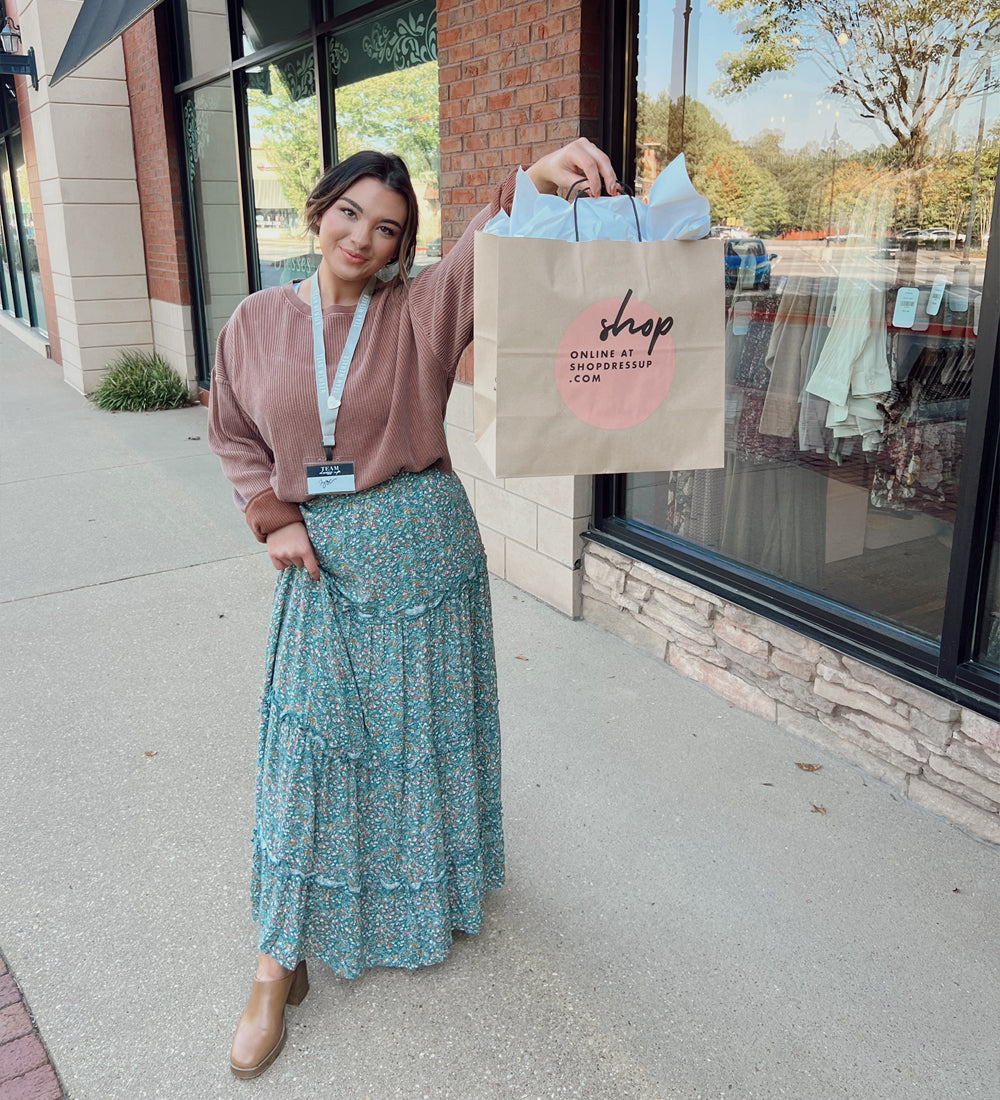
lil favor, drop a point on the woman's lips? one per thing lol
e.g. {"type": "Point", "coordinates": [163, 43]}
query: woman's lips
{"type": "Point", "coordinates": [353, 257]}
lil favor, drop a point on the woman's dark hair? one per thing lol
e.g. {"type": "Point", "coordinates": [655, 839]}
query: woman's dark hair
{"type": "Point", "coordinates": [389, 170]}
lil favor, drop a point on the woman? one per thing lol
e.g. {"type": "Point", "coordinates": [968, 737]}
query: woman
{"type": "Point", "coordinates": [378, 821]}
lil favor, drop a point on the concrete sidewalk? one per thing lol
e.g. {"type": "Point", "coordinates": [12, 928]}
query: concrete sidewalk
{"type": "Point", "coordinates": [688, 914]}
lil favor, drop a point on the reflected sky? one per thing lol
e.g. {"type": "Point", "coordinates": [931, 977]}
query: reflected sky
{"type": "Point", "coordinates": [794, 103]}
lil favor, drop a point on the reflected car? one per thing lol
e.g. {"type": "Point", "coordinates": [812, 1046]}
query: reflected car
{"type": "Point", "coordinates": [933, 236]}
{"type": "Point", "coordinates": [732, 231]}
{"type": "Point", "coordinates": [750, 256]}
{"type": "Point", "coordinates": [434, 249]}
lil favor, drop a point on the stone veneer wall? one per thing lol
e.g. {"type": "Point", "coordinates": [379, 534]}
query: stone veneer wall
{"type": "Point", "coordinates": [940, 755]}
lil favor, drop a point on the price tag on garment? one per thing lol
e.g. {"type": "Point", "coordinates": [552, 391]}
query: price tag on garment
{"type": "Point", "coordinates": [905, 312]}
{"type": "Point", "coordinates": [936, 294]}
{"type": "Point", "coordinates": [329, 477]}
{"type": "Point", "coordinates": [958, 292]}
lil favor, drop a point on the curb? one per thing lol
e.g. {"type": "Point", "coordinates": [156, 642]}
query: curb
{"type": "Point", "coordinates": [26, 1071]}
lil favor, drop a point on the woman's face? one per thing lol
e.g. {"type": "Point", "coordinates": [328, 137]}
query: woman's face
{"type": "Point", "coordinates": [361, 232]}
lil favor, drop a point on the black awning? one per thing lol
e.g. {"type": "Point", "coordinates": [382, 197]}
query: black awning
{"type": "Point", "coordinates": [98, 23]}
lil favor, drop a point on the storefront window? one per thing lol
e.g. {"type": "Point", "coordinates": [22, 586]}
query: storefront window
{"type": "Point", "coordinates": [285, 163]}
{"type": "Point", "coordinates": [251, 168]}
{"type": "Point", "coordinates": [855, 210]}
{"type": "Point", "coordinates": [203, 35]}
{"type": "Point", "coordinates": [989, 642]}
{"type": "Point", "coordinates": [8, 209]}
{"type": "Point", "coordinates": [265, 23]}
{"type": "Point", "coordinates": [385, 77]}
{"type": "Point", "coordinates": [337, 9]}
{"type": "Point", "coordinates": [210, 142]}
{"type": "Point", "coordinates": [29, 245]}
{"type": "Point", "coordinates": [6, 288]}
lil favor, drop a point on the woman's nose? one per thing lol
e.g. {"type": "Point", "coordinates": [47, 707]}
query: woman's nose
{"type": "Point", "coordinates": [360, 235]}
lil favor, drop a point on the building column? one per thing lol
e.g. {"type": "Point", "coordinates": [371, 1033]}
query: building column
{"type": "Point", "coordinates": [87, 182]}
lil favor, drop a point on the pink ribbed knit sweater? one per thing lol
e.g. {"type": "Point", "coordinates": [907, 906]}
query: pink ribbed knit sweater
{"type": "Point", "coordinates": [263, 420]}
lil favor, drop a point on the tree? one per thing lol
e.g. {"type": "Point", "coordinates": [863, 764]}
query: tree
{"type": "Point", "coordinates": [289, 137]}
{"type": "Point", "coordinates": [906, 63]}
{"type": "Point", "coordinates": [394, 111]}
{"type": "Point", "coordinates": [679, 126]}
{"type": "Point", "coordinates": [805, 177]}
{"type": "Point", "coordinates": [740, 193]}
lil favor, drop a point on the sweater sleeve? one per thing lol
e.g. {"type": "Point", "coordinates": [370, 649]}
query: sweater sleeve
{"type": "Point", "coordinates": [246, 459]}
{"type": "Point", "coordinates": [441, 296]}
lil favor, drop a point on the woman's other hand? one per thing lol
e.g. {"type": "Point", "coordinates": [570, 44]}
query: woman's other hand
{"type": "Point", "coordinates": [581, 158]}
{"type": "Point", "coordinates": [290, 545]}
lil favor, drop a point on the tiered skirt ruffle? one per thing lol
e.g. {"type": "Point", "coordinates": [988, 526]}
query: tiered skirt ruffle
{"type": "Point", "coordinates": [378, 817]}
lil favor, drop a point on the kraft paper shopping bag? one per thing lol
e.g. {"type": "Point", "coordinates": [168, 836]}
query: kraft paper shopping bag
{"type": "Point", "coordinates": [598, 356]}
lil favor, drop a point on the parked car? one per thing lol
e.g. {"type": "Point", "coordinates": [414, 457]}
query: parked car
{"type": "Point", "coordinates": [733, 231]}
{"type": "Point", "coordinates": [750, 257]}
{"type": "Point", "coordinates": [434, 249]}
{"type": "Point", "coordinates": [933, 236]}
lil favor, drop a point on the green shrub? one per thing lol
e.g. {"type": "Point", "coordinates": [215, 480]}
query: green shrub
{"type": "Point", "coordinates": [138, 381]}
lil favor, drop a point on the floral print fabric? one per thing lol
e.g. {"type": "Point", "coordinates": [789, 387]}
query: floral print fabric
{"type": "Point", "coordinates": [378, 817]}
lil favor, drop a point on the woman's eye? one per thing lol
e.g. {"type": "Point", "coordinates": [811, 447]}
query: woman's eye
{"type": "Point", "coordinates": [387, 230]}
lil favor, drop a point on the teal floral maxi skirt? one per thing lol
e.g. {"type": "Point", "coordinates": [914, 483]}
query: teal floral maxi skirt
{"type": "Point", "coordinates": [378, 821]}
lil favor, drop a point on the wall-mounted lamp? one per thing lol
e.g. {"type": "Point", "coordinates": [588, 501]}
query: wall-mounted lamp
{"type": "Point", "coordinates": [11, 60]}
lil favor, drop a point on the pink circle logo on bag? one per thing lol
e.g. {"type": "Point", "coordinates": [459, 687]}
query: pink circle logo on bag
{"type": "Point", "coordinates": [615, 363]}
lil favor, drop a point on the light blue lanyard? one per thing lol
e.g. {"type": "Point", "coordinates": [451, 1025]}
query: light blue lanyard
{"type": "Point", "coordinates": [328, 400]}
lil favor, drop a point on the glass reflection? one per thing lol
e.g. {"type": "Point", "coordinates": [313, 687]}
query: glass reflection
{"type": "Point", "coordinates": [19, 296]}
{"type": "Point", "coordinates": [29, 244]}
{"type": "Point", "coordinates": [204, 44]}
{"type": "Point", "coordinates": [210, 140]}
{"type": "Point", "coordinates": [285, 163]}
{"type": "Point", "coordinates": [398, 111]}
{"type": "Point", "coordinates": [856, 215]}
{"type": "Point", "coordinates": [266, 23]}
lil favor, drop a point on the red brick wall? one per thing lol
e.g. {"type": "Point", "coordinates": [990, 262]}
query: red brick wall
{"type": "Point", "coordinates": [517, 81]}
{"type": "Point", "coordinates": [157, 157]}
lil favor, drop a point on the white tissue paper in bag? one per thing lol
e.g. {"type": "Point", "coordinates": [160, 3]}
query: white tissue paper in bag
{"type": "Point", "coordinates": [675, 211]}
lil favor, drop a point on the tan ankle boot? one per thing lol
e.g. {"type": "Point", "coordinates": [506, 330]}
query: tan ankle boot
{"type": "Point", "coordinates": [260, 1034]}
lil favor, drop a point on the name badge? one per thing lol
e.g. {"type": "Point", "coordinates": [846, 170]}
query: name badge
{"type": "Point", "coordinates": [329, 477]}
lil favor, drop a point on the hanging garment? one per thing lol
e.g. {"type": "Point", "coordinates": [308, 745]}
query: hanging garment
{"type": "Point", "coordinates": [854, 360]}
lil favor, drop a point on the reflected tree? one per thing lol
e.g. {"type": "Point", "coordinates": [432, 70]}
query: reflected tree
{"type": "Point", "coordinates": [905, 63]}
{"type": "Point", "coordinates": [395, 112]}
{"type": "Point", "coordinates": [288, 132]}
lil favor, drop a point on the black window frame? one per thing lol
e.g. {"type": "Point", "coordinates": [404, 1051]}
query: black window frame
{"type": "Point", "coordinates": [948, 668]}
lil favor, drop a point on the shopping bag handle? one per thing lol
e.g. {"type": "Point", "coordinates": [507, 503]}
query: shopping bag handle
{"type": "Point", "coordinates": [585, 192]}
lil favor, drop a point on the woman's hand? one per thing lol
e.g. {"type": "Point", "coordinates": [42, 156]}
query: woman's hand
{"type": "Point", "coordinates": [565, 166]}
{"type": "Point", "coordinates": [290, 545]}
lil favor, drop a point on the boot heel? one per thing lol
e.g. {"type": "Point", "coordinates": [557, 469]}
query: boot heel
{"type": "Point", "coordinates": [300, 985]}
